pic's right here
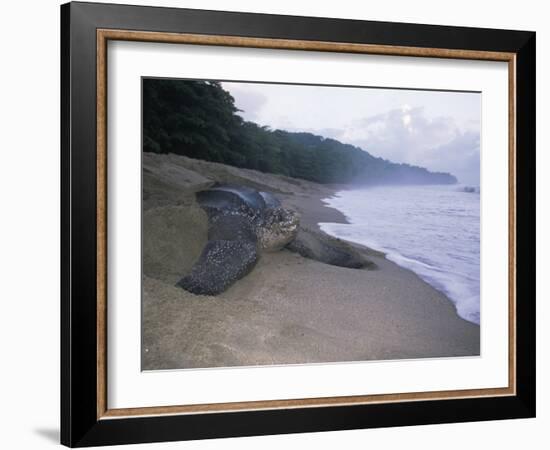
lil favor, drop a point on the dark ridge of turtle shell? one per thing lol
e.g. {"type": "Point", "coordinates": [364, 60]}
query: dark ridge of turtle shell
{"type": "Point", "coordinates": [270, 200]}
{"type": "Point", "coordinates": [228, 197]}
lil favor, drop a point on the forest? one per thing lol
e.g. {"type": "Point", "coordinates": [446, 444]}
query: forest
{"type": "Point", "coordinates": [199, 119]}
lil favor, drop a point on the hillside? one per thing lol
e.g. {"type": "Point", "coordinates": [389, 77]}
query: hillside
{"type": "Point", "coordinates": [199, 119]}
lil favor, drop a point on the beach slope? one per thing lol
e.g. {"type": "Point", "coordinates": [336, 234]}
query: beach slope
{"type": "Point", "coordinates": [289, 309]}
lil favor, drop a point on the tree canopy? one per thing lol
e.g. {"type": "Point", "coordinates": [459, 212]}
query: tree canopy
{"type": "Point", "coordinates": [199, 119]}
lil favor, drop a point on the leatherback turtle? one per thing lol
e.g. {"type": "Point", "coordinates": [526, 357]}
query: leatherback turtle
{"type": "Point", "coordinates": [241, 222]}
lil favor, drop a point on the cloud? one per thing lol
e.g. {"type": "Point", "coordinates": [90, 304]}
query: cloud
{"type": "Point", "coordinates": [461, 156]}
{"type": "Point", "coordinates": [249, 102]}
{"type": "Point", "coordinates": [436, 130]}
{"type": "Point", "coordinates": [407, 135]}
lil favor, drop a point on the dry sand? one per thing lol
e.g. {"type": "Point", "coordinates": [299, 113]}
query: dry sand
{"type": "Point", "coordinates": [289, 309]}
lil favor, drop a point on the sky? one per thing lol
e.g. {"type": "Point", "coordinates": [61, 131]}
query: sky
{"type": "Point", "coordinates": [433, 129]}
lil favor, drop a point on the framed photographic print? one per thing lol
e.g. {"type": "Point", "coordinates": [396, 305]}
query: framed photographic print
{"type": "Point", "coordinates": [276, 224]}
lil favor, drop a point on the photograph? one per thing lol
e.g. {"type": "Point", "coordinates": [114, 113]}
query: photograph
{"type": "Point", "coordinates": [307, 224]}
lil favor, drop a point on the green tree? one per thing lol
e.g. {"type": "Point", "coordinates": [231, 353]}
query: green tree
{"type": "Point", "coordinates": [199, 119]}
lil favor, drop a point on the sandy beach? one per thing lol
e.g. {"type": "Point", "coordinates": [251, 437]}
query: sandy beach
{"type": "Point", "coordinates": [288, 309]}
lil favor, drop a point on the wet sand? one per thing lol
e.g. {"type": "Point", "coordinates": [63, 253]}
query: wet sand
{"type": "Point", "coordinates": [289, 309]}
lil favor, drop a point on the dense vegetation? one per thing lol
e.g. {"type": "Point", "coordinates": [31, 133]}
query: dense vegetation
{"type": "Point", "coordinates": [199, 119]}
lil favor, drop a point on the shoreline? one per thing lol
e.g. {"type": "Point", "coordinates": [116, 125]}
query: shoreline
{"type": "Point", "coordinates": [396, 256]}
{"type": "Point", "coordinates": [332, 215]}
{"type": "Point", "coordinates": [289, 309]}
{"type": "Point", "coordinates": [314, 212]}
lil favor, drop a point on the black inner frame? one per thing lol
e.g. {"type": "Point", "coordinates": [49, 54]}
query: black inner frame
{"type": "Point", "coordinates": [79, 424]}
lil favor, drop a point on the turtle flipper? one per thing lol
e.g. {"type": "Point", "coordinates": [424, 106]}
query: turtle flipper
{"type": "Point", "coordinates": [221, 263]}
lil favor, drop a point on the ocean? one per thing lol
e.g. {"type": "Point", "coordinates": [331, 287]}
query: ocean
{"type": "Point", "coordinates": [432, 230]}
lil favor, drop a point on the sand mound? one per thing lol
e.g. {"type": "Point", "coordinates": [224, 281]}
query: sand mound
{"type": "Point", "coordinates": [173, 239]}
